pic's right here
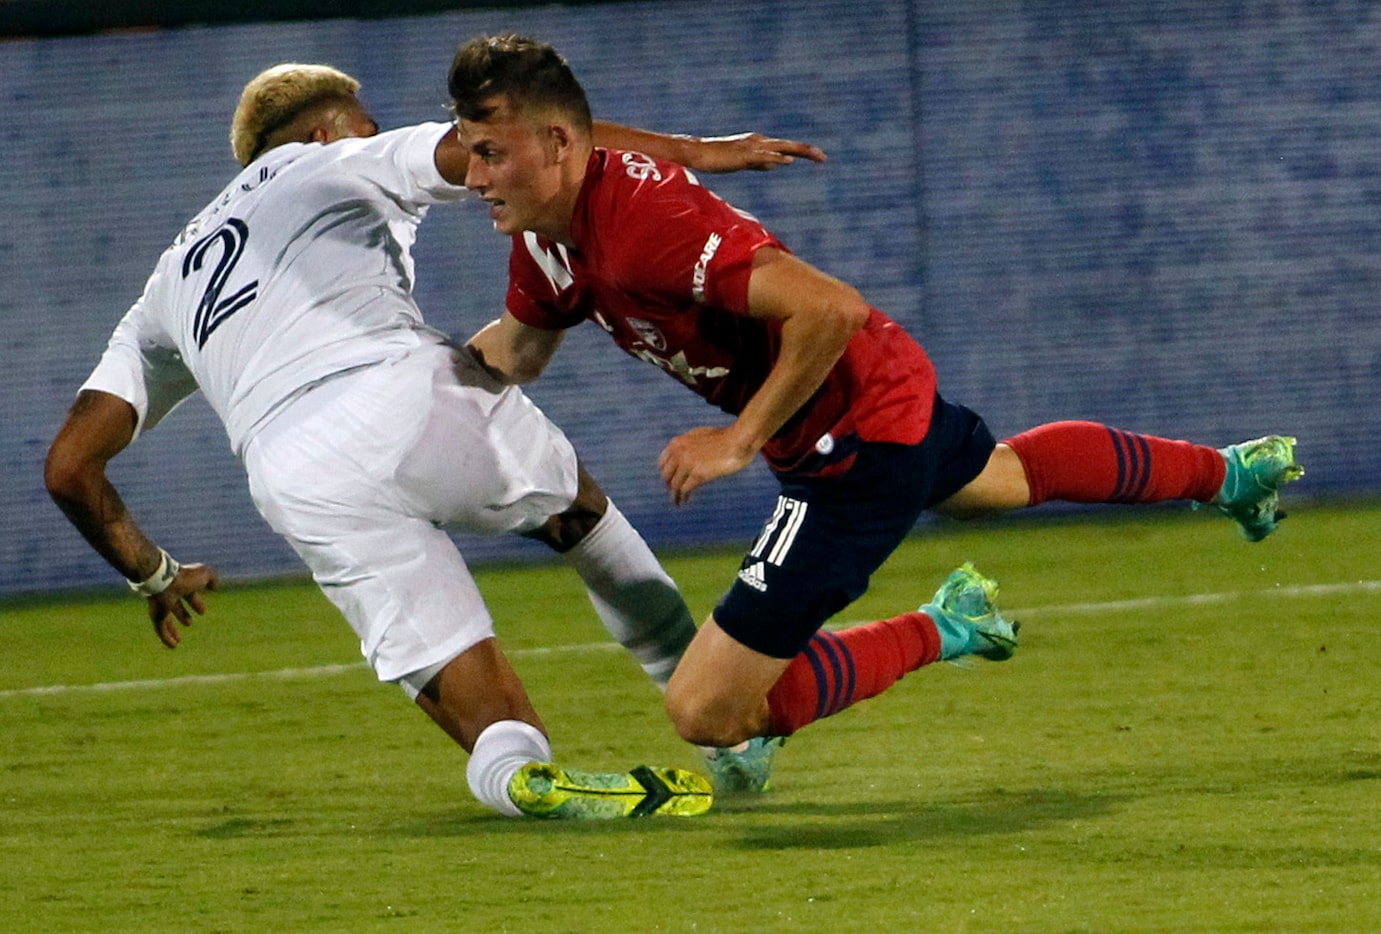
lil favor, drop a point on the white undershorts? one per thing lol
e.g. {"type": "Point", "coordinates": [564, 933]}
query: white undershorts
{"type": "Point", "coordinates": [363, 472]}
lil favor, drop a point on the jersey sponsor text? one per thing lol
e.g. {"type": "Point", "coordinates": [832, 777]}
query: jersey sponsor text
{"type": "Point", "coordinates": [702, 266]}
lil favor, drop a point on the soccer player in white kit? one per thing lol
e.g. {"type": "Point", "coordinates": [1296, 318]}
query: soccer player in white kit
{"type": "Point", "coordinates": [288, 302]}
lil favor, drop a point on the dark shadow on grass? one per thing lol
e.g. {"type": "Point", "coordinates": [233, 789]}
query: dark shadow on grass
{"type": "Point", "coordinates": [469, 824]}
{"type": "Point", "coordinates": [886, 824]}
{"type": "Point", "coordinates": [235, 827]}
{"type": "Point", "coordinates": [813, 826]}
{"type": "Point", "coordinates": [783, 821]}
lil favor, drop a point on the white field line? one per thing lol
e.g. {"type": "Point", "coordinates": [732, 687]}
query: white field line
{"type": "Point", "coordinates": [1197, 599]}
{"type": "Point", "coordinates": [281, 674]}
{"type": "Point", "coordinates": [320, 671]}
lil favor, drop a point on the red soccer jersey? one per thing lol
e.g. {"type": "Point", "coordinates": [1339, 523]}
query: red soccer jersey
{"type": "Point", "coordinates": [662, 264]}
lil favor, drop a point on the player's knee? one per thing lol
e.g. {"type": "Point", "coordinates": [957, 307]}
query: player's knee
{"type": "Point", "coordinates": [565, 530]}
{"type": "Point", "coordinates": [706, 723]}
{"type": "Point", "coordinates": [1001, 487]}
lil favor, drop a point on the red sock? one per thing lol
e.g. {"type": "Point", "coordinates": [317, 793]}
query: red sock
{"type": "Point", "coordinates": [1085, 462]}
{"type": "Point", "coordinates": [838, 669]}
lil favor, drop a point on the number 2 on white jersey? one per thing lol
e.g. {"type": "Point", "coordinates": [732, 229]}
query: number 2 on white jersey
{"type": "Point", "coordinates": [213, 310]}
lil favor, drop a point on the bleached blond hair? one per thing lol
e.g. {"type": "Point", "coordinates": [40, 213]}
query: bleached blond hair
{"type": "Point", "coordinates": [277, 95]}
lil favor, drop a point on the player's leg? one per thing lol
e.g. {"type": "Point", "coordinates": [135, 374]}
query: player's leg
{"type": "Point", "coordinates": [324, 479]}
{"type": "Point", "coordinates": [424, 625]}
{"type": "Point", "coordinates": [1001, 487]}
{"type": "Point", "coordinates": [1086, 462]}
{"type": "Point", "coordinates": [761, 665]}
{"type": "Point", "coordinates": [470, 692]}
{"type": "Point", "coordinates": [479, 701]}
{"type": "Point", "coordinates": [642, 608]}
{"type": "Point", "coordinates": [632, 594]}
{"type": "Point", "coordinates": [725, 693]}
{"type": "Point", "coordinates": [746, 765]}
{"type": "Point", "coordinates": [840, 668]}
{"type": "Point", "coordinates": [718, 694]}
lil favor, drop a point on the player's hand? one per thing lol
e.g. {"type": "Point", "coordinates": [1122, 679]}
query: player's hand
{"type": "Point", "coordinates": [691, 460]}
{"type": "Point", "coordinates": [182, 598]}
{"type": "Point", "coordinates": [750, 151]}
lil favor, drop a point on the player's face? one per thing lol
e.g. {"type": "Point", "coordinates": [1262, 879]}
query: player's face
{"type": "Point", "coordinates": [515, 168]}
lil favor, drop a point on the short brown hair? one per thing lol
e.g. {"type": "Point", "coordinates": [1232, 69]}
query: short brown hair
{"type": "Point", "coordinates": [278, 94]}
{"type": "Point", "coordinates": [527, 71]}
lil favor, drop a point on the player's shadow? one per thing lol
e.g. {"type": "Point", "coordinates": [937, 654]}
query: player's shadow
{"type": "Point", "coordinates": [841, 825]}
{"type": "Point", "coordinates": [850, 826]}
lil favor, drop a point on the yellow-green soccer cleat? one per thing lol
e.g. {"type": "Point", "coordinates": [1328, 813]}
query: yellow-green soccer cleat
{"type": "Point", "coordinates": [744, 768]}
{"type": "Point", "coordinates": [541, 789]}
{"type": "Point", "coordinates": [969, 624]}
{"type": "Point", "coordinates": [1250, 492]}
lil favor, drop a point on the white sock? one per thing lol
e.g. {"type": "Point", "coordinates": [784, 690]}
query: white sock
{"type": "Point", "coordinates": [501, 749]}
{"type": "Point", "coordinates": [635, 598]}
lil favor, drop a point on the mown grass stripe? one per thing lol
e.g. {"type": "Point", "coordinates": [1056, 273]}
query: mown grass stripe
{"type": "Point", "coordinates": [319, 671]}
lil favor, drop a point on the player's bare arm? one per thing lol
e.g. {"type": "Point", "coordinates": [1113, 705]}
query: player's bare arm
{"type": "Point", "coordinates": [512, 351]}
{"type": "Point", "coordinates": [736, 153]}
{"type": "Point", "coordinates": [819, 315]}
{"type": "Point", "coordinates": [708, 154]}
{"type": "Point", "coordinates": [98, 427]}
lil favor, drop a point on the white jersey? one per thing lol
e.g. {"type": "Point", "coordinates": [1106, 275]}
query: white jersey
{"type": "Point", "coordinates": [299, 270]}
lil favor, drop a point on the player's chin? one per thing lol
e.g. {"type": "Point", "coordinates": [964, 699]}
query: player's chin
{"type": "Point", "coordinates": [503, 219]}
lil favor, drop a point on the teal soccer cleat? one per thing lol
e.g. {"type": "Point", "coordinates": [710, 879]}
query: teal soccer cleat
{"type": "Point", "coordinates": [744, 768]}
{"type": "Point", "coordinates": [969, 624]}
{"type": "Point", "coordinates": [1250, 492]}
{"type": "Point", "coordinates": [541, 789]}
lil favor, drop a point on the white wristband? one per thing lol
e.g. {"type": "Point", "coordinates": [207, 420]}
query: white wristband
{"type": "Point", "coordinates": [160, 579]}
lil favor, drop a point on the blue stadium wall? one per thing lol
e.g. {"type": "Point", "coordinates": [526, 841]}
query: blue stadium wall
{"type": "Point", "coordinates": [1161, 215]}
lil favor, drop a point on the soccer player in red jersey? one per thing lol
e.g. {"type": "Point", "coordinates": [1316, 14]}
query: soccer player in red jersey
{"type": "Point", "coordinates": [840, 401]}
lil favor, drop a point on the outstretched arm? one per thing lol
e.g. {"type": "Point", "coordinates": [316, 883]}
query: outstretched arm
{"type": "Point", "coordinates": [703, 154]}
{"type": "Point", "coordinates": [708, 154]}
{"type": "Point", "coordinates": [98, 427]}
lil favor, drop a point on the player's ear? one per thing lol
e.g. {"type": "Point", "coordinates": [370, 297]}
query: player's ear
{"type": "Point", "coordinates": [561, 141]}
{"type": "Point", "coordinates": [324, 128]}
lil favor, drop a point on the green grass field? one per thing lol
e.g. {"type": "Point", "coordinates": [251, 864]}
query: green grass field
{"type": "Point", "coordinates": [1187, 740]}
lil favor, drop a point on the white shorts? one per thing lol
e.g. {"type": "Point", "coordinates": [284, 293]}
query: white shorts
{"type": "Point", "coordinates": [362, 473]}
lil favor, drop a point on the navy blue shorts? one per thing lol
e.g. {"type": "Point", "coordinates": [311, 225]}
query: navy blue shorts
{"type": "Point", "coordinates": [828, 535]}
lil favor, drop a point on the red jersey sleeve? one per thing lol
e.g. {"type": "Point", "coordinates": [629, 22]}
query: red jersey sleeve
{"type": "Point", "coordinates": [539, 284]}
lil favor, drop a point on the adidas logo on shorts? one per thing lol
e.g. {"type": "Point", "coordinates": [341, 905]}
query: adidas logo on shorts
{"type": "Point", "coordinates": [752, 576]}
